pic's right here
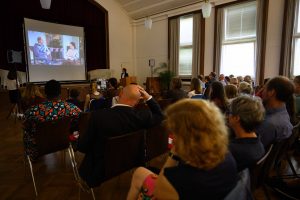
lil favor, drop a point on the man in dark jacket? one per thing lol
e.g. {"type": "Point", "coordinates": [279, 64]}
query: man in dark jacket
{"type": "Point", "coordinates": [120, 119]}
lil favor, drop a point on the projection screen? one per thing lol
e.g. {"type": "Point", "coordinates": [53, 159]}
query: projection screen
{"type": "Point", "coordinates": [54, 51]}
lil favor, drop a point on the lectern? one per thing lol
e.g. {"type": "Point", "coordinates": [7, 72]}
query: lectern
{"type": "Point", "coordinates": [127, 80]}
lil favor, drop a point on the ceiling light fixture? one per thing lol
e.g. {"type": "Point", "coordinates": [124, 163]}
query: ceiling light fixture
{"type": "Point", "coordinates": [206, 9]}
{"type": "Point", "coordinates": [46, 4]}
{"type": "Point", "coordinates": [148, 23]}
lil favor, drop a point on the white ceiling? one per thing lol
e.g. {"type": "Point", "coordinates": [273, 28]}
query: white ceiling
{"type": "Point", "coordinates": [142, 8]}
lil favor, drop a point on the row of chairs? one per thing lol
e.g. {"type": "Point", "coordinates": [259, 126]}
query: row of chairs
{"type": "Point", "coordinates": [122, 153]}
{"type": "Point", "coordinates": [275, 156]}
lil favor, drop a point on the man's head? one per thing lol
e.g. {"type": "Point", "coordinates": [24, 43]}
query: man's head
{"type": "Point", "coordinates": [221, 77]}
{"type": "Point", "coordinates": [52, 89]}
{"type": "Point", "coordinates": [212, 75]}
{"type": "Point", "coordinates": [278, 89]}
{"type": "Point", "coordinates": [40, 40]}
{"type": "Point", "coordinates": [130, 95]}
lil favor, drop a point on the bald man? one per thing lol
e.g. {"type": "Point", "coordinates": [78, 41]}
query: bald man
{"type": "Point", "coordinates": [120, 119]}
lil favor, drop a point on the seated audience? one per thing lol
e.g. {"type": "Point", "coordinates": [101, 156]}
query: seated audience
{"type": "Point", "coordinates": [74, 94]}
{"type": "Point", "coordinates": [176, 93]}
{"type": "Point", "coordinates": [234, 81]}
{"type": "Point", "coordinates": [202, 81]}
{"type": "Point", "coordinates": [245, 114]}
{"type": "Point", "coordinates": [231, 92]}
{"type": "Point", "coordinates": [260, 88]}
{"type": "Point", "coordinates": [212, 77]}
{"type": "Point", "coordinates": [222, 79]}
{"type": "Point", "coordinates": [120, 119]}
{"type": "Point", "coordinates": [52, 109]}
{"type": "Point", "coordinates": [245, 88]}
{"type": "Point", "coordinates": [196, 88]}
{"type": "Point", "coordinates": [218, 96]}
{"type": "Point", "coordinates": [94, 94]}
{"type": "Point", "coordinates": [199, 165]}
{"type": "Point", "coordinates": [277, 125]}
{"type": "Point", "coordinates": [112, 88]}
{"type": "Point", "coordinates": [31, 96]}
{"type": "Point", "coordinates": [248, 79]}
{"type": "Point", "coordinates": [240, 79]}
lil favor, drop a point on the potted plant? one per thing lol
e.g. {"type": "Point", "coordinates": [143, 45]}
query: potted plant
{"type": "Point", "coordinates": [165, 76]}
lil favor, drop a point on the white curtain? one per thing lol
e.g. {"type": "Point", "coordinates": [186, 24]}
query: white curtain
{"type": "Point", "coordinates": [196, 44]}
{"type": "Point", "coordinates": [287, 37]}
{"type": "Point", "coordinates": [218, 41]}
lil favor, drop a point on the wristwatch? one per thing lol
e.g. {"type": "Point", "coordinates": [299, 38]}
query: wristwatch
{"type": "Point", "coordinates": [174, 157]}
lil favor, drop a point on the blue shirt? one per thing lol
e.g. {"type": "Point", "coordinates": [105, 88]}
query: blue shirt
{"type": "Point", "coordinates": [275, 127]}
{"type": "Point", "coordinates": [41, 51]}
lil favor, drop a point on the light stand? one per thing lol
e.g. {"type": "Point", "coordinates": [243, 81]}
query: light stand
{"type": "Point", "coordinates": [151, 65]}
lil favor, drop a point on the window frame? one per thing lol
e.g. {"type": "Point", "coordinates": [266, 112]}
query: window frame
{"type": "Point", "coordinates": [225, 42]}
{"type": "Point", "coordinates": [295, 36]}
{"type": "Point", "coordinates": [187, 46]}
{"type": "Point", "coordinates": [202, 44]}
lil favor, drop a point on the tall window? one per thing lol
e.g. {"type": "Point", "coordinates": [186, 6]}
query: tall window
{"type": "Point", "coordinates": [238, 48]}
{"type": "Point", "coordinates": [185, 45]}
{"type": "Point", "coordinates": [296, 43]}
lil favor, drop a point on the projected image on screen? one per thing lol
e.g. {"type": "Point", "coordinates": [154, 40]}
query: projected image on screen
{"type": "Point", "coordinates": [54, 51]}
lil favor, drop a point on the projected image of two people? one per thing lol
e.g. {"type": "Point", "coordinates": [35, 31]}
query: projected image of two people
{"type": "Point", "coordinates": [54, 49]}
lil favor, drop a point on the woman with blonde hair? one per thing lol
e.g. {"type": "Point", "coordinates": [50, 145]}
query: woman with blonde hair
{"type": "Point", "coordinates": [231, 91]}
{"type": "Point", "coordinates": [199, 164]}
{"type": "Point", "coordinates": [94, 94]}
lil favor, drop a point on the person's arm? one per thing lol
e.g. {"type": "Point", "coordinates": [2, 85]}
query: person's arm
{"type": "Point", "coordinates": [157, 115]}
{"type": "Point", "coordinates": [163, 188]}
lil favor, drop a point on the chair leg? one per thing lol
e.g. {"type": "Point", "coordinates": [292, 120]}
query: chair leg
{"type": "Point", "coordinates": [291, 165]}
{"type": "Point", "coordinates": [73, 162]}
{"type": "Point", "coordinates": [11, 110]}
{"type": "Point", "coordinates": [32, 176]}
{"type": "Point", "coordinates": [93, 195]}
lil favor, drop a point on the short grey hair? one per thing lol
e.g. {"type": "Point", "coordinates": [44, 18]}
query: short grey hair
{"type": "Point", "coordinates": [250, 110]}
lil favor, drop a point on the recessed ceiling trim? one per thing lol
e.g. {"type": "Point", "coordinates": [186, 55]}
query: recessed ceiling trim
{"type": "Point", "coordinates": [166, 10]}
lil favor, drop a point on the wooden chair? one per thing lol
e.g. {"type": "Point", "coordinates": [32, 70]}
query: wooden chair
{"type": "Point", "coordinates": [281, 153]}
{"type": "Point", "coordinates": [123, 153]}
{"type": "Point", "coordinates": [242, 189]}
{"type": "Point", "coordinates": [156, 139]}
{"type": "Point", "coordinates": [50, 137]}
{"type": "Point", "coordinates": [164, 103]}
{"type": "Point", "coordinates": [83, 122]}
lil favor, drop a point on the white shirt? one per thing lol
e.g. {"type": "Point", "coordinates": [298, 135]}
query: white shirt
{"type": "Point", "coordinates": [11, 84]}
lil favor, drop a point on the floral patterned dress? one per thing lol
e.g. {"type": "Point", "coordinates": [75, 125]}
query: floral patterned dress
{"type": "Point", "coordinates": [46, 111]}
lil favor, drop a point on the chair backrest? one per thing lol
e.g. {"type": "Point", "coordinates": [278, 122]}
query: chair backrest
{"type": "Point", "coordinates": [197, 96]}
{"type": "Point", "coordinates": [242, 189]}
{"type": "Point", "coordinates": [255, 171]}
{"type": "Point", "coordinates": [83, 123]}
{"type": "Point", "coordinates": [52, 136]}
{"type": "Point", "coordinates": [123, 153]}
{"type": "Point", "coordinates": [164, 103]}
{"type": "Point", "coordinates": [97, 104]}
{"type": "Point", "coordinates": [156, 142]}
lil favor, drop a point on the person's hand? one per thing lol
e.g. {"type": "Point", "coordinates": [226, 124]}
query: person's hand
{"type": "Point", "coordinates": [144, 94]}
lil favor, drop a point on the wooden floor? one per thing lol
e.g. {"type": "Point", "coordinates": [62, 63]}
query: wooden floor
{"type": "Point", "coordinates": [54, 178]}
